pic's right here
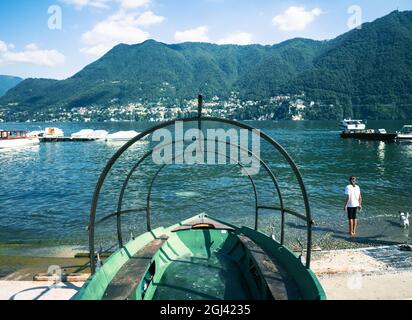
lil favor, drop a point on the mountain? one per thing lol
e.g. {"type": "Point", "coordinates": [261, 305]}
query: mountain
{"type": "Point", "coordinates": [8, 82]}
{"type": "Point", "coordinates": [368, 69]}
{"type": "Point", "coordinates": [365, 73]}
{"type": "Point", "coordinates": [153, 70]}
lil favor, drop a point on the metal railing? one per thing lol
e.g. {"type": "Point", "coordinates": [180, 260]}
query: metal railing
{"type": "Point", "coordinates": [199, 119]}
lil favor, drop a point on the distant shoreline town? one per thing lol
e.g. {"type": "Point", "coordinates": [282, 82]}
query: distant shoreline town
{"type": "Point", "coordinates": [280, 107]}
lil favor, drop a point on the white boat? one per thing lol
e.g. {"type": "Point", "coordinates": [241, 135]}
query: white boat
{"type": "Point", "coordinates": [90, 134]}
{"type": "Point", "coordinates": [16, 139]}
{"type": "Point", "coordinates": [83, 134]}
{"type": "Point", "coordinates": [122, 136]}
{"type": "Point", "coordinates": [35, 134]}
{"type": "Point", "coordinates": [100, 135]}
{"type": "Point", "coordinates": [352, 125]}
{"type": "Point", "coordinates": [405, 133]}
{"type": "Point", "coordinates": [47, 133]}
{"type": "Point", "coordinates": [53, 133]}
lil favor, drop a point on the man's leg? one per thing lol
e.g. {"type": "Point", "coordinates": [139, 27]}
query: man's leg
{"type": "Point", "coordinates": [350, 221]}
{"type": "Point", "coordinates": [352, 225]}
{"type": "Point", "coordinates": [355, 225]}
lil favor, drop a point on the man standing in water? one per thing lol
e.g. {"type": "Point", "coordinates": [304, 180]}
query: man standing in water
{"type": "Point", "coordinates": [352, 204]}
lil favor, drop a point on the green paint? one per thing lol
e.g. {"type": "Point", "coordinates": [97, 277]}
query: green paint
{"type": "Point", "coordinates": [203, 264]}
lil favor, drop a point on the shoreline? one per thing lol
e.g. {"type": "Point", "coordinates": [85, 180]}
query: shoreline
{"type": "Point", "coordinates": [345, 274]}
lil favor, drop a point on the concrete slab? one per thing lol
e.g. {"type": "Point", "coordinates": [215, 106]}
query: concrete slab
{"type": "Point", "coordinates": [357, 286]}
{"type": "Point", "coordinates": [354, 274]}
{"type": "Point", "coordinates": [379, 273]}
{"type": "Point", "coordinates": [365, 260]}
{"type": "Point", "coordinates": [30, 290]}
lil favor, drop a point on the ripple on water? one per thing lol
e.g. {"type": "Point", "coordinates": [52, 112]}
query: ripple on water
{"type": "Point", "coordinates": [47, 190]}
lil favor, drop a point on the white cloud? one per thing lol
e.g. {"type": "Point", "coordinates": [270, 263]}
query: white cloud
{"type": "Point", "coordinates": [133, 4]}
{"type": "Point", "coordinates": [80, 4]}
{"type": "Point", "coordinates": [104, 4]}
{"type": "Point", "coordinates": [121, 27]}
{"type": "Point", "coordinates": [199, 34]}
{"type": "Point", "coordinates": [96, 51]}
{"type": "Point", "coordinates": [31, 47]}
{"type": "Point", "coordinates": [3, 46]}
{"type": "Point", "coordinates": [296, 18]}
{"type": "Point", "coordinates": [148, 18]}
{"type": "Point", "coordinates": [241, 38]}
{"type": "Point", "coordinates": [31, 54]}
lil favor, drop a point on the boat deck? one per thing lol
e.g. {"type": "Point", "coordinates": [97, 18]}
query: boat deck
{"type": "Point", "coordinates": [216, 277]}
{"type": "Point", "coordinates": [125, 283]}
{"type": "Point", "coordinates": [277, 279]}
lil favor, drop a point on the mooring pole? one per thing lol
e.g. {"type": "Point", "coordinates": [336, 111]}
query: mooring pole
{"type": "Point", "coordinates": [200, 110]}
{"type": "Point", "coordinates": [199, 122]}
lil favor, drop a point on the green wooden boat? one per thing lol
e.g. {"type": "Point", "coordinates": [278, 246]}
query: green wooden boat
{"type": "Point", "coordinates": [201, 258]}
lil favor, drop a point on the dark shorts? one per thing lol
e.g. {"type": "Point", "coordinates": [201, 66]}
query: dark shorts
{"type": "Point", "coordinates": [352, 213]}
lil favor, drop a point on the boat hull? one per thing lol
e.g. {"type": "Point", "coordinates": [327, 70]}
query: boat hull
{"type": "Point", "coordinates": [121, 136]}
{"type": "Point", "coordinates": [390, 137]}
{"type": "Point", "coordinates": [190, 263]}
{"type": "Point", "coordinates": [404, 137]}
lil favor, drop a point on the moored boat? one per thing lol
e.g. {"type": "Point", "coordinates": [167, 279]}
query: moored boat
{"type": "Point", "coordinates": [202, 257]}
{"type": "Point", "coordinates": [53, 133]}
{"type": "Point", "coordinates": [16, 139]}
{"type": "Point", "coordinates": [122, 136]}
{"type": "Point", "coordinates": [405, 133]}
{"type": "Point", "coordinates": [370, 134]}
{"type": "Point", "coordinates": [352, 125]}
{"type": "Point", "coordinates": [100, 134]}
{"type": "Point", "coordinates": [83, 134]}
{"type": "Point", "coordinates": [90, 134]}
{"type": "Point", "coordinates": [46, 133]}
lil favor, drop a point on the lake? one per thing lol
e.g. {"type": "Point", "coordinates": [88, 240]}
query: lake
{"type": "Point", "coordinates": [46, 190]}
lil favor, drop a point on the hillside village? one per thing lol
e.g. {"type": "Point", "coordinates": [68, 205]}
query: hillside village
{"type": "Point", "coordinates": [281, 107]}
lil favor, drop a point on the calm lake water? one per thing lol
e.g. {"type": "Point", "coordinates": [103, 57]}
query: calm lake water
{"type": "Point", "coordinates": [46, 190]}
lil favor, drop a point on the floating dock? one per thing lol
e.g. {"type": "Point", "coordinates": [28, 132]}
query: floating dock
{"type": "Point", "coordinates": [365, 135]}
{"type": "Point", "coordinates": [66, 139]}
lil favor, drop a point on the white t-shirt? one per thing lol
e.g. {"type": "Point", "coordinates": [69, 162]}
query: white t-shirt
{"type": "Point", "coordinates": [354, 194]}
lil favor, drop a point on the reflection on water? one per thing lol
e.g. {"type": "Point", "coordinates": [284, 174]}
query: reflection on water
{"type": "Point", "coordinates": [116, 145]}
{"type": "Point", "coordinates": [188, 194]}
{"type": "Point", "coordinates": [406, 149]}
{"type": "Point", "coordinates": [47, 189]}
{"type": "Point", "coordinates": [19, 152]}
{"type": "Point", "coordinates": [381, 156]}
{"type": "Point", "coordinates": [381, 150]}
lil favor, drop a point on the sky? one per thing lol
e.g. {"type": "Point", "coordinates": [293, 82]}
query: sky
{"type": "Point", "coordinates": [57, 38]}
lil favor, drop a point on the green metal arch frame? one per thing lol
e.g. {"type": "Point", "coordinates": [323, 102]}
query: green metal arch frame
{"type": "Point", "coordinates": [199, 119]}
{"type": "Point", "coordinates": [136, 166]}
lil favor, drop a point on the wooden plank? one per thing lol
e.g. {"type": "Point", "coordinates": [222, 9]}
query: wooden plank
{"type": "Point", "coordinates": [277, 280]}
{"type": "Point", "coordinates": [74, 277]}
{"type": "Point", "coordinates": [125, 283]}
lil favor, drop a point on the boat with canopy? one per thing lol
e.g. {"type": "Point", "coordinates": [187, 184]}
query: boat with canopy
{"type": "Point", "coordinates": [202, 257]}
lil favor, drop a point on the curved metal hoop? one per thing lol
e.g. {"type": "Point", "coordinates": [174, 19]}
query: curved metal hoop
{"type": "Point", "coordinates": [307, 217]}
{"type": "Point", "coordinates": [136, 166]}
